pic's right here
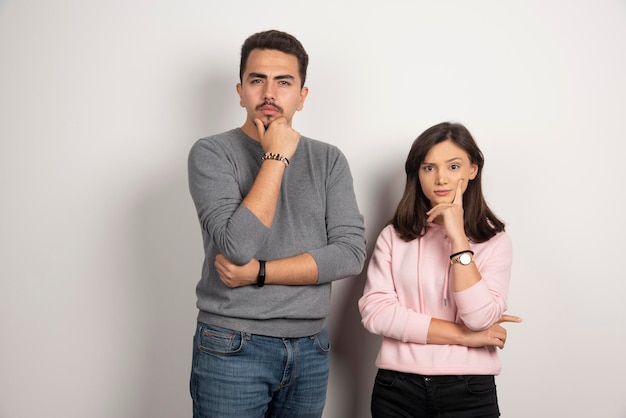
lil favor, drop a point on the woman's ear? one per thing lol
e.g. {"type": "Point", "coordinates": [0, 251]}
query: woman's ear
{"type": "Point", "coordinates": [473, 171]}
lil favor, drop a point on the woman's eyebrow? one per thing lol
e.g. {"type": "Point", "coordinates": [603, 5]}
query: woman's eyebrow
{"type": "Point", "coordinates": [448, 161]}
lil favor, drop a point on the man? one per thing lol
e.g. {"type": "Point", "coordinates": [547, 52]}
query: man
{"type": "Point", "coordinates": [280, 222]}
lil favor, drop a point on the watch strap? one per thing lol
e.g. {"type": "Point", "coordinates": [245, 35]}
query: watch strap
{"type": "Point", "coordinates": [260, 280]}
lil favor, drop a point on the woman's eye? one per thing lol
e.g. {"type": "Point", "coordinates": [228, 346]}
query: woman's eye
{"type": "Point", "coordinates": [454, 166]}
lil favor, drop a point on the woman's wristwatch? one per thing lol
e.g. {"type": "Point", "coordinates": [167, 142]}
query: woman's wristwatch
{"type": "Point", "coordinates": [462, 257]}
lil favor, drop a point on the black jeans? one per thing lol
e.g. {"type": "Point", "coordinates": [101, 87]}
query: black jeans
{"type": "Point", "coordinates": [407, 395]}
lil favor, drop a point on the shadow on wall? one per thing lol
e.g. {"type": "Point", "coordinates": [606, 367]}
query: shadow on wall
{"type": "Point", "coordinates": [169, 256]}
{"type": "Point", "coordinates": [353, 345]}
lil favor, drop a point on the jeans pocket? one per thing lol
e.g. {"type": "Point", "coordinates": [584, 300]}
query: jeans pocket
{"type": "Point", "coordinates": [217, 340]}
{"type": "Point", "coordinates": [480, 385]}
{"type": "Point", "coordinates": [385, 378]}
{"type": "Point", "coordinates": [322, 342]}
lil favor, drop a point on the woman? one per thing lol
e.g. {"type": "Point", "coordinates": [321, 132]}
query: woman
{"type": "Point", "coordinates": [436, 286]}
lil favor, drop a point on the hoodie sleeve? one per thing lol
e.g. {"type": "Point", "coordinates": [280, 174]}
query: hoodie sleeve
{"type": "Point", "coordinates": [380, 307]}
{"type": "Point", "coordinates": [482, 305]}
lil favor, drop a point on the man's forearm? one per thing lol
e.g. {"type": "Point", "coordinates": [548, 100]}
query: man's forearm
{"type": "Point", "coordinates": [262, 198]}
{"type": "Point", "coordinates": [299, 270]}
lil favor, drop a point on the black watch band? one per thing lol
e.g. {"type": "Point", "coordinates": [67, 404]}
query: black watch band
{"type": "Point", "coordinates": [260, 280]}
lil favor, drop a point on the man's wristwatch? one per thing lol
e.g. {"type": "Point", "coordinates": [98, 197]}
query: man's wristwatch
{"type": "Point", "coordinates": [260, 280]}
{"type": "Point", "coordinates": [463, 258]}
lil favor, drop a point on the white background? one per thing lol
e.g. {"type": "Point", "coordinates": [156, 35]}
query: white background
{"type": "Point", "coordinates": [100, 248]}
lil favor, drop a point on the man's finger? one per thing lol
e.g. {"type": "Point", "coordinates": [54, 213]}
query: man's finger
{"type": "Point", "coordinates": [260, 127]}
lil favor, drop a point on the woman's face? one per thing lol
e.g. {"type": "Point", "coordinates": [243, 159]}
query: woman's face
{"type": "Point", "coordinates": [444, 166]}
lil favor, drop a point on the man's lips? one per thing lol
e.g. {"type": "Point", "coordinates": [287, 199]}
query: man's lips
{"type": "Point", "coordinates": [269, 109]}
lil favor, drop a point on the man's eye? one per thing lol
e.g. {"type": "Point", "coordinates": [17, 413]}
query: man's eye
{"type": "Point", "coordinates": [256, 81]}
{"type": "Point", "coordinates": [284, 83]}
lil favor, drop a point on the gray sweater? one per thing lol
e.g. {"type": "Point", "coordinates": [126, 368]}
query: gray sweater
{"type": "Point", "coordinates": [316, 213]}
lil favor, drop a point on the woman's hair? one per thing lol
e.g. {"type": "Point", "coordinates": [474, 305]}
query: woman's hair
{"type": "Point", "coordinates": [410, 217]}
{"type": "Point", "coordinates": [280, 41]}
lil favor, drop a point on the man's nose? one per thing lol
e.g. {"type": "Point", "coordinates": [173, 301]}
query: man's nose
{"type": "Point", "coordinates": [268, 92]}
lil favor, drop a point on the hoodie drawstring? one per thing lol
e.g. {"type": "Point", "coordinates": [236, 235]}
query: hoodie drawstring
{"type": "Point", "coordinates": [419, 274]}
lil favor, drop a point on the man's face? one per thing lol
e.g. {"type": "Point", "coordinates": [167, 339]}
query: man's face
{"type": "Point", "coordinates": [270, 86]}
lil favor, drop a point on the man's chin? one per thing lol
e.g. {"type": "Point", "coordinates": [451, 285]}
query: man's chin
{"type": "Point", "coordinates": [267, 120]}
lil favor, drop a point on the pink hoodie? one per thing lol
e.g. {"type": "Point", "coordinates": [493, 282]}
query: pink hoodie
{"type": "Point", "coordinates": [408, 283]}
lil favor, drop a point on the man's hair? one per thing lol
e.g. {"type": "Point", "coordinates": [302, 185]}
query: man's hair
{"type": "Point", "coordinates": [277, 40]}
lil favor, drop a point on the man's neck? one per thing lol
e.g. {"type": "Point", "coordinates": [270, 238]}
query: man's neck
{"type": "Point", "coordinates": [251, 130]}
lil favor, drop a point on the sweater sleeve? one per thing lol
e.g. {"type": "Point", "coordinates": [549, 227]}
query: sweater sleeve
{"type": "Point", "coordinates": [482, 305]}
{"type": "Point", "coordinates": [217, 195]}
{"type": "Point", "coordinates": [380, 307]}
{"type": "Point", "coordinates": [345, 253]}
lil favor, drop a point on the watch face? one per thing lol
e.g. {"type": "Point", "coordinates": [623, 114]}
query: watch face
{"type": "Point", "coordinates": [465, 259]}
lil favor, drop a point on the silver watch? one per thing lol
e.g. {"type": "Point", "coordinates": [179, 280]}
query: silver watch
{"type": "Point", "coordinates": [464, 259]}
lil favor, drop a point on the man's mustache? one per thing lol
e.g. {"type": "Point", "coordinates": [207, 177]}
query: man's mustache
{"type": "Point", "coordinates": [267, 103]}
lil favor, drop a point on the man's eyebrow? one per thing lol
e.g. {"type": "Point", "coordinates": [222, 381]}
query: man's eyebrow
{"type": "Point", "coordinates": [256, 75]}
{"type": "Point", "coordinates": [284, 77]}
{"type": "Point", "coordinates": [278, 77]}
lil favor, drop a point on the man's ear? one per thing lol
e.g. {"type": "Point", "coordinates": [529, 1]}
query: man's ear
{"type": "Point", "coordinates": [304, 91]}
{"type": "Point", "coordinates": [238, 88]}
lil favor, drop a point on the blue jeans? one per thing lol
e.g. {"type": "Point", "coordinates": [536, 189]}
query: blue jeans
{"type": "Point", "coordinates": [240, 375]}
{"type": "Point", "coordinates": [398, 394]}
